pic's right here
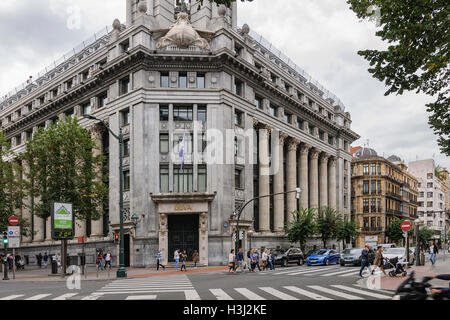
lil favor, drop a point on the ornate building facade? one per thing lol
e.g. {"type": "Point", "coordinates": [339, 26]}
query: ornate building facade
{"type": "Point", "coordinates": [250, 121]}
{"type": "Point", "coordinates": [381, 190]}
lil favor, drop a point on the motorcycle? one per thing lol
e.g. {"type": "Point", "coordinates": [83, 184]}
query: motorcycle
{"type": "Point", "coordinates": [412, 290]}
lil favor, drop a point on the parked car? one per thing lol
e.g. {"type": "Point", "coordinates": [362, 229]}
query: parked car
{"type": "Point", "coordinates": [399, 253]}
{"type": "Point", "coordinates": [353, 256]}
{"type": "Point", "coordinates": [323, 257]}
{"type": "Point", "coordinates": [285, 256]}
{"type": "Point", "coordinates": [386, 245]}
{"type": "Point", "coordinates": [309, 252]}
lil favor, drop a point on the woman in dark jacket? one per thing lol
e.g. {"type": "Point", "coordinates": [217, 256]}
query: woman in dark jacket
{"type": "Point", "coordinates": [378, 262]}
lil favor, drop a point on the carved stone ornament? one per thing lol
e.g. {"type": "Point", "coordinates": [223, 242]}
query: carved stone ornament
{"type": "Point", "coordinates": [182, 35]}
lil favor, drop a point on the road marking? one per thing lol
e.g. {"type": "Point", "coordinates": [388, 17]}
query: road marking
{"type": "Point", "coordinates": [39, 296]}
{"type": "Point", "coordinates": [149, 286]}
{"type": "Point", "coordinates": [12, 297]}
{"type": "Point", "coordinates": [65, 296]}
{"type": "Point", "coordinates": [290, 270]}
{"type": "Point", "coordinates": [336, 293]}
{"type": "Point", "coordinates": [363, 292]}
{"type": "Point", "coordinates": [309, 273]}
{"type": "Point", "coordinates": [349, 274]}
{"type": "Point", "coordinates": [339, 272]}
{"type": "Point", "coordinates": [377, 290]}
{"type": "Point", "coordinates": [93, 296]}
{"type": "Point", "coordinates": [142, 291]}
{"type": "Point", "coordinates": [220, 294]}
{"type": "Point", "coordinates": [278, 294]}
{"type": "Point", "coordinates": [191, 295]}
{"type": "Point", "coordinates": [153, 297]}
{"type": "Point", "coordinates": [248, 294]}
{"type": "Point", "coordinates": [305, 293]}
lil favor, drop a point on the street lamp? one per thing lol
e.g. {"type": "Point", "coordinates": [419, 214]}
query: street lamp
{"type": "Point", "coordinates": [417, 253]}
{"type": "Point", "coordinates": [121, 272]}
{"type": "Point", "coordinates": [135, 219]}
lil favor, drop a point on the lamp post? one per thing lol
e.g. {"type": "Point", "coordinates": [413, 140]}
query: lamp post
{"type": "Point", "coordinates": [121, 272]}
{"type": "Point", "coordinates": [417, 253]}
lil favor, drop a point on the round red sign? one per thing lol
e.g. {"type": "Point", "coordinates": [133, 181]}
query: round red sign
{"type": "Point", "coordinates": [406, 225]}
{"type": "Point", "coordinates": [13, 220]}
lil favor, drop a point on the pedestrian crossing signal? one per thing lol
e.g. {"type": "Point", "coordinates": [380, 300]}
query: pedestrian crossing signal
{"type": "Point", "coordinates": [116, 238]}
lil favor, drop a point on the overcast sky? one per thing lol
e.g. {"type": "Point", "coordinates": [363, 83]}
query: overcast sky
{"type": "Point", "coordinates": [320, 36]}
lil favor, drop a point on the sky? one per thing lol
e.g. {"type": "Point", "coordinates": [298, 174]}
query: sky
{"type": "Point", "coordinates": [320, 36]}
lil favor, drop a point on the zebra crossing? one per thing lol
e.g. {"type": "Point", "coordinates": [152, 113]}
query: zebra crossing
{"type": "Point", "coordinates": [309, 292]}
{"type": "Point", "coordinates": [317, 271]}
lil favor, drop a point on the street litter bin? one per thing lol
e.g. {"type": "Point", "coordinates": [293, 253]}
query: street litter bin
{"type": "Point", "coordinates": [54, 267]}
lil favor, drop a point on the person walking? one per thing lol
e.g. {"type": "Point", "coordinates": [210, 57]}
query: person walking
{"type": "Point", "coordinates": [271, 260]}
{"type": "Point", "coordinates": [364, 260]}
{"type": "Point", "coordinates": [58, 260]}
{"type": "Point", "coordinates": [183, 258]}
{"type": "Point", "coordinates": [257, 260]}
{"type": "Point", "coordinates": [249, 259]}
{"type": "Point", "coordinates": [39, 260]}
{"type": "Point", "coordinates": [108, 259]}
{"type": "Point", "coordinates": [176, 257]}
{"type": "Point", "coordinates": [264, 257]}
{"type": "Point", "coordinates": [254, 260]}
{"type": "Point", "coordinates": [45, 260]}
{"type": "Point", "coordinates": [379, 262]}
{"type": "Point", "coordinates": [159, 257]}
{"type": "Point", "coordinates": [433, 250]}
{"type": "Point", "coordinates": [231, 261]}
{"type": "Point", "coordinates": [195, 258]}
{"type": "Point", "coordinates": [100, 260]}
{"type": "Point", "coordinates": [10, 260]}
{"type": "Point", "coordinates": [240, 260]}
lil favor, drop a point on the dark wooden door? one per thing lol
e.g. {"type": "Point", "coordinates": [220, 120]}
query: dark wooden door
{"type": "Point", "coordinates": [183, 234]}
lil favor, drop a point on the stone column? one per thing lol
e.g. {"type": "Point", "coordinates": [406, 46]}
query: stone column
{"type": "Point", "coordinates": [332, 183]}
{"type": "Point", "coordinates": [97, 135]}
{"type": "Point", "coordinates": [264, 182]}
{"type": "Point", "coordinates": [48, 229]}
{"type": "Point", "coordinates": [279, 187]}
{"type": "Point", "coordinates": [314, 179]}
{"type": "Point", "coordinates": [304, 152]}
{"type": "Point", "coordinates": [323, 193]}
{"type": "Point", "coordinates": [80, 228]}
{"type": "Point", "coordinates": [163, 237]}
{"type": "Point", "coordinates": [26, 209]}
{"type": "Point", "coordinates": [291, 179]}
{"type": "Point", "coordinates": [203, 238]}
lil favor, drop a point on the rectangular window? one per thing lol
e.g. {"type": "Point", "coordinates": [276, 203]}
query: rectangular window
{"type": "Point", "coordinates": [125, 117]}
{"type": "Point", "coordinates": [331, 140]}
{"type": "Point", "coordinates": [202, 184]}
{"type": "Point", "coordinates": [126, 148]}
{"type": "Point", "coordinates": [379, 169]}
{"type": "Point", "coordinates": [182, 179]}
{"type": "Point", "coordinates": [163, 113]}
{"type": "Point", "coordinates": [430, 185]}
{"type": "Point", "coordinates": [200, 81]}
{"type": "Point", "coordinates": [300, 96]}
{"type": "Point", "coordinates": [124, 46]}
{"type": "Point", "coordinates": [299, 123]}
{"type": "Point", "coordinates": [69, 84]}
{"type": "Point", "coordinates": [70, 113]}
{"type": "Point", "coordinates": [421, 194]}
{"type": "Point", "coordinates": [29, 107]}
{"type": "Point", "coordinates": [201, 114]}
{"type": "Point", "coordinates": [373, 169]}
{"type": "Point", "coordinates": [238, 178]}
{"type": "Point", "coordinates": [102, 99]}
{"type": "Point", "coordinates": [238, 118]}
{"type": "Point", "coordinates": [126, 180]}
{"type": "Point", "coordinates": [164, 143]}
{"type": "Point", "coordinates": [259, 102]}
{"type": "Point", "coordinates": [273, 78]}
{"type": "Point", "coordinates": [287, 117]}
{"type": "Point", "coordinates": [365, 169]}
{"type": "Point", "coordinates": [164, 179]}
{"type": "Point", "coordinates": [429, 176]}
{"type": "Point", "coordinates": [379, 186]}
{"type": "Point", "coordinates": [430, 204]}
{"type": "Point", "coordinates": [202, 142]}
{"type": "Point", "coordinates": [373, 187]}
{"type": "Point", "coordinates": [182, 80]}
{"type": "Point", "coordinates": [86, 107]}
{"type": "Point", "coordinates": [54, 93]}
{"type": "Point", "coordinates": [164, 80]}
{"type": "Point", "coordinates": [287, 87]}
{"type": "Point", "coordinates": [373, 207]}
{"type": "Point", "coordinates": [273, 110]}
{"type": "Point", "coordinates": [18, 140]}
{"type": "Point", "coordinates": [239, 87]}
{"type": "Point", "coordinates": [178, 143]}
{"type": "Point", "coordinates": [365, 205]}
{"type": "Point", "coordinates": [182, 113]}
{"type": "Point", "coordinates": [310, 103]}
{"type": "Point", "coordinates": [379, 204]}
{"type": "Point", "coordinates": [124, 85]}
{"type": "Point", "coordinates": [321, 135]}
{"type": "Point", "coordinates": [429, 194]}
{"type": "Point", "coordinates": [365, 187]}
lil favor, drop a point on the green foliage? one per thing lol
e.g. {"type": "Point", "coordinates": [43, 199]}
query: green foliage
{"type": "Point", "coordinates": [425, 235]}
{"type": "Point", "coordinates": [394, 232]}
{"type": "Point", "coordinates": [302, 227]}
{"type": "Point", "coordinates": [417, 58]}
{"type": "Point", "coordinates": [10, 186]}
{"type": "Point", "coordinates": [327, 223]}
{"type": "Point", "coordinates": [346, 230]}
{"type": "Point", "coordinates": [62, 167]}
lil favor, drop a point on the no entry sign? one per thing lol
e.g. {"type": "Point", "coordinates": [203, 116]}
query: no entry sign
{"type": "Point", "coordinates": [406, 225]}
{"type": "Point", "coordinates": [13, 220]}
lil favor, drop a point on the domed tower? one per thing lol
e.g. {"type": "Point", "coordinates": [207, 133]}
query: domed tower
{"type": "Point", "coordinates": [365, 152]}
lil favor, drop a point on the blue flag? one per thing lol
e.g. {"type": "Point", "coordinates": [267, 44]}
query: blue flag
{"type": "Point", "coordinates": [181, 154]}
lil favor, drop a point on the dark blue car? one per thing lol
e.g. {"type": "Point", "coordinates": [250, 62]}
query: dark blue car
{"type": "Point", "coordinates": [323, 257]}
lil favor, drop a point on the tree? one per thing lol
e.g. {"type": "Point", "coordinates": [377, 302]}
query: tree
{"type": "Point", "coordinates": [62, 167]}
{"type": "Point", "coordinates": [394, 232]}
{"type": "Point", "coordinates": [346, 230]}
{"type": "Point", "coordinates": [302, 227]}
{"type": "Point", "coordinates": [327, 222]}
{"type": "Point", "coordinates": [417, 58]}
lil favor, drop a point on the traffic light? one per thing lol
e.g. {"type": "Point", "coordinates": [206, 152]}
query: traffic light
{"type": "Point", "coordinates": [116, 238]}
{"type": "Point", "coordinates": [5, 238]}
{"type": "Point", "coordinates": [234, 237]}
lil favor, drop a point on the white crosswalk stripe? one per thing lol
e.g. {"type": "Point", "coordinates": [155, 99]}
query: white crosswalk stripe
{"type": "Point", "coordinates": [93, 296]}
{"type": "Point", "coordinates": [249, 294]}
{"type": "Point", "coordinates": [363, 292]}
{"type": "Point", "coordinates": [12, 297]}
{"type": "Point", "coordinates": [339, 272]}
{"type": "Point", "coordinates": [314, 271]}
{"type": "Point", "coordinates": [336, 293]}
{"type": "Point", "coordinates": [153, 297]}
{"type": "Point", "coordinates": [220, 294]}
{"type": "Point", "coordinates": [65, 296]}
{"type": "Point", "coordinates": [349, 274]}
{"type": "Point", "coordinates": [308, 294]}
{"type": "Point", "coordinates": [192, 295]}
{"type": "Point", "coordinates": [39, 296]}
{"type": "Point", "coordinates": [278, 294]}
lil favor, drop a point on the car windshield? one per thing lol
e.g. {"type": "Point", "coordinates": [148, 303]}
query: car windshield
{"type": "Point", "coordinates": [320, 252]}
{"type": "Point", "coordinates": [277, 252]}
{"type": "Point", "coordinates": [395, 251]}
{"type": "Point", "coordinates": [352, 251]}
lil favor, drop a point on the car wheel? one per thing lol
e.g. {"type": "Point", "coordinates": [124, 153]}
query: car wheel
{"type": "Point", "coordinates": [285, 263]}
{"type": "Point", "coordinates": [342, 264]}
{"type": "Point", "coordinates": [338, 261]}
{"type": "Point", "coordinates": [300, 262]}
{"type": "Point", "coordinates": [327, 262]}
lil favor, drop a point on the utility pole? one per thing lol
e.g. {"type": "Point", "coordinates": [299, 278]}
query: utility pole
{"type": "Point", "coordinates": [5, 260]}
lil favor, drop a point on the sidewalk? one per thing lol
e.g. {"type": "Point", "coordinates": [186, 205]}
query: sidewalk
{"type": "Point", "coordinates": [44, 275]}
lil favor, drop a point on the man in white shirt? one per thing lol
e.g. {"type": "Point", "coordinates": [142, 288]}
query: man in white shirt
{"type": "Point", "coordinates": [176, 257]}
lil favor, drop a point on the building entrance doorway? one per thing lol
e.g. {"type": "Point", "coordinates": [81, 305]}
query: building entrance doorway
{"type": "Point", "coordinates": [183, 234]}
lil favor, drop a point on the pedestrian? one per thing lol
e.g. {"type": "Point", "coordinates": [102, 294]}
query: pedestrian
{"type": "Point", "coordinates": [231, 261]}
{"type": "Point", "coordinates": [17, 261]}
{"type": "Point", "coordinates": [240, 260]}
{"type": "Point", "coordinates": [10, 261]}
{"type": "Point", "coordinates": [100, 260]}
{"type": "Point", "coordinates": [195, 258]}
{"type": "Point", "coordinates": [254, 260]}
{"type": "Point", "coordinates": [379, 262]}
{"type": "Point", "coordinates": [364, 260]}
{"type": "Point", "coordinates": [264, 257]}
{"type": "Point", "coordinates": [257, 259]}
{"type": "Point", "coordinates": [176, 257]}
{"type": "Point", "coordinates": [58, 260]}
{"type": "Point", "coordinates": [433, 250]}
{"type": "Point", "coordinates": [45, 260]}
{"type": "Point", "coordinates": [159, 257]}
{"type": "Point", "coordinates": [39, 260]}
{"type": "Point", "coordinates": [108, 259]}
{"type": "Point", "coordinates": [271, 260]}
{"type": "Point", "coordinates": [183, 258]}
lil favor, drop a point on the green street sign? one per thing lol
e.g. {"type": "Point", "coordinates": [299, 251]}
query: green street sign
{"type": "Point", "coordinates": [62, 221]}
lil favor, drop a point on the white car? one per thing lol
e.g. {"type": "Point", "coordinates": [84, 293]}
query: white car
{"type": "Point", "coordinates": [400, 253]}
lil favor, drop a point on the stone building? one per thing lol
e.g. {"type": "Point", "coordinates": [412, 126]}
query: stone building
{"type": "Point", "coordinates": [433, 194]}
{"type": "Point", "coordinates": [185, 75]}
{"type": "Point", "coordinates": [381, 190]}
